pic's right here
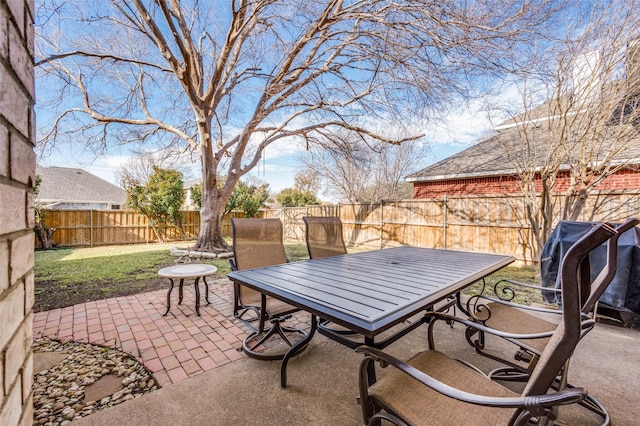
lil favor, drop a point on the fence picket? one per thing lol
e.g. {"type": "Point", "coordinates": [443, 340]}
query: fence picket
{"type": "Point", "coordinates": [495, 224]}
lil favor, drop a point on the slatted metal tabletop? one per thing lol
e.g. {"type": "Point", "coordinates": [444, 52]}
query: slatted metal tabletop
{"type": "Point", "coordinates": [370, 292]}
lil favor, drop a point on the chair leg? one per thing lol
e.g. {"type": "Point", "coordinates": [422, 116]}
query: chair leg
{"type": "Point", "coordinates": [519, 374]}
{"type": "Point", "coordinates": [249, 322]}
{"type": "Point", "coordinates": [257, 339]}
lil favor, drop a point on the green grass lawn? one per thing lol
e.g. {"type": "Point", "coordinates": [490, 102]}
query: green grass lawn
{"type": "Point", "coordinates": [64, 277]}
{"type": "Point", "coordinates": [72, 266]}
{"type": "Point", "coordinates": [525, 274]}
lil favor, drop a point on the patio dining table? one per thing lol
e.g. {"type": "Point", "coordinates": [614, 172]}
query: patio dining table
{"type": "Point", "coordinates": [370, 292]}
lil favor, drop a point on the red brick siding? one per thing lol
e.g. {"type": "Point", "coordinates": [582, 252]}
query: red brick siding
{"type": "Point", "coordinates": [626, 179]}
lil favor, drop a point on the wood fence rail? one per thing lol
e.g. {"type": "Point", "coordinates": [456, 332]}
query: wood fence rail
{"type": "Point", "coordinates": [493, 224]}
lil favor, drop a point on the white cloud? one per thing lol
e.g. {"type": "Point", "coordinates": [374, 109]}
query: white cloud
{"type": "Point", "coordinates": [281, 159]}
{"type": "Point", "coordinates": [468, 125]}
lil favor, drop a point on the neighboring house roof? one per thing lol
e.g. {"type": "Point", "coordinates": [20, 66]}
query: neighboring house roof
{"type": "Point", "coordinates": [189, 183]}
{"type": "Point", "coordinates": [499, 155]}
{"type": "Point", "coordinates": [68, 185]}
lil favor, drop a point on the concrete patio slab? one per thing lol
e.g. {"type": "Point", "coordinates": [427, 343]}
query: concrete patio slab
{"type": "Point", "coordinates": [323, 386]}
{"type": "Point", "coordinates": [232, 390]}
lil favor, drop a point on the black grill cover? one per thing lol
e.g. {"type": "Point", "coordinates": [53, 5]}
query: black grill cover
{"type": "Point", "coordinates": [624, 291]}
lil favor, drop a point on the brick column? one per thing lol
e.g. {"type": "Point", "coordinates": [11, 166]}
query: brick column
{"type": "Point", "coordinates": [17, 177]}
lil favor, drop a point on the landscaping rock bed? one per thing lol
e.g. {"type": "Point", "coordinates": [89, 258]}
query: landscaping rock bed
{"type": "Point", "coordinates": [79, 370]}
{"type": "Point", "coordinates": [183, 255]}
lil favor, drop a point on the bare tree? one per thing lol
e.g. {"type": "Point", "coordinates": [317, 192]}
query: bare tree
{"type": "Point", "coordinates": [587, 127]}
{"type": "Point", "coordinates": [221, 81]}
{"type": "Point", "coordinates": [137, 169]}
{"type": "Point", "coordinates": [355, 171]}
{"type": "Point", "coordinates": [307, 180]}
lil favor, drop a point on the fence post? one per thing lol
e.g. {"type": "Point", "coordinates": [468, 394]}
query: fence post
{"type": "Point", "coordinates": [444, 220]}
{"type": "Point", "coordinates": [381, 221]}
{"type": "Point", "coordinates": [91, 228]}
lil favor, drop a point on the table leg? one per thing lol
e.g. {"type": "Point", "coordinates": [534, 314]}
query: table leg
{"type": "Point", "coordinates": [206, 289]}
{"type": "Point", "coordinates": [180, 291]}
{"type": "Point", "coordinates": [197, 286]}
{"type": "Point", "coordinates": [169, 298]}
{"type": "Point", "coordinates": [293, 350]}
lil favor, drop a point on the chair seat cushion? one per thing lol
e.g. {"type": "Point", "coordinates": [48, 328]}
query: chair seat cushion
{"type": "Point", "coordinates": [420, 405]}
{"type": "Point", "coordinates": [513, 320]}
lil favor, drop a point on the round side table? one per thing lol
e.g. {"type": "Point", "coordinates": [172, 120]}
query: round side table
{"type": "Point", "coordinates": [187, 271]}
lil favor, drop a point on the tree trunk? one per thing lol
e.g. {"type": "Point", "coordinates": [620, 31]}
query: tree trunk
{"type": "Point", "coordinates": [159, 234]}
{"type": "Point", "coordinates": [210, 237]}
{"type": "Point", "coordinates": [44, 235]}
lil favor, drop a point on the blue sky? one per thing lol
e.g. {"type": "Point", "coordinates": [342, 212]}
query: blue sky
{"type": "Point", "coordinates": [281, 161]}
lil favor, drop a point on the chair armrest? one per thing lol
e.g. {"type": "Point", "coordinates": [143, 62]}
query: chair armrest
{"type": "Point", "coordinates": [232, 264]}
{"type": "Point", "coordinates": [526, 285]}
{"type": "Point", "coordinates": [475, 307]}
{"type": "Point", "coordinates": [535, 404]}
{"type": "Point", "coordinates": [504, 289]}
{"type": "Point", "coordinates": [234, 267]}
{"type": "Point", "coordinates": [470, 324]}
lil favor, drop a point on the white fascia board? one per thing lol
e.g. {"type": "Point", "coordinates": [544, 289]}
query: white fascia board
{"type": "Point", "coordinates": [563, 167]}
{"type": "Point", "coordinates": [532, 121]}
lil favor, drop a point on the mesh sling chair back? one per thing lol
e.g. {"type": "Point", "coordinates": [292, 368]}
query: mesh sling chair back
{"type": "Point", "coordinates": [431, 388]}
{"type": "Point", "coordinates": [324, 236]}
{"type": "Point", "coordinates": [513, 318]}
{"type": "Point", "coordinates": [324, 239]}
{"type": "Point", "coordinates": [258, 243]}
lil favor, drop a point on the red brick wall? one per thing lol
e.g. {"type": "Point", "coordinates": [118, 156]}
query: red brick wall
{"type": "Point", "coordinates": [625, 179]}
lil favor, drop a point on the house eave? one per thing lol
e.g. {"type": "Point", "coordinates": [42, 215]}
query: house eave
{"type": "Point", "coordinates": [509, 172]}
{"type": "Point", "coordinates": [60, 201]}
{"type": "Point", "coordinates": [460, 176]}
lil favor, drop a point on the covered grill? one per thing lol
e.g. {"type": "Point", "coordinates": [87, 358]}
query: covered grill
{"type": "Point", "coordinates": [621, 300]}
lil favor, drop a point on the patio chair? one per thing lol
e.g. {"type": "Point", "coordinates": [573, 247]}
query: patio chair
{"type": "Point", "coordinates": [258, 243]}
{"type": "Point", "coordinates": [324, 239]}
{"type": "Point", "coordinates": [324, 236]}
{"type": "Point", "coordinates": [500, 313]}
{"type": "Point", "coordinates": [432, 388]}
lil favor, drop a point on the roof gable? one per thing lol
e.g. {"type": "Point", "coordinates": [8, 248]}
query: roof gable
{"type": "Point", "coordinates": [500, 155]}
{"type": "Point", "coordinates": [65, 184]}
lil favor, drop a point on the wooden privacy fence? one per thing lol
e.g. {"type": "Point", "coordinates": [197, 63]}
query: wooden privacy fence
{"type": "Point", "coordinates": [493, 224]}
{"type": "Point", "coordinates": [102, 227]}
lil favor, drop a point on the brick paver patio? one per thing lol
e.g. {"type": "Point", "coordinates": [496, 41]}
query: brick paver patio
{"type": "Point", "coordinates": [174, 347]}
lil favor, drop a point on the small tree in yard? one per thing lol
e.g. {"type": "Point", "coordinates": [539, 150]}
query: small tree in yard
{"type": "Point", "coordinates": [245, 197]}
{"type": "Point", "coordinates": [248, 198]}
{"type": "Point", "coordinates": [43, 232]}
{"type": "Point", "coordinates": [196, 195]}
{"type": "Point", "coordinates": [159, 199]}
{"type": "Point", "coordinates": [354, 171]}
{"type": "Point", "coordinates": [294, 197]}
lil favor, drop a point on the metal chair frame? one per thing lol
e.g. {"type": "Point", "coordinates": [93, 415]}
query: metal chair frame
{"type": "Point", "coordinates": [479, 309]}
{"type": "Point", "coordinates": [535, 403]}
{"type": "Point", "coordinates": [268, 234]}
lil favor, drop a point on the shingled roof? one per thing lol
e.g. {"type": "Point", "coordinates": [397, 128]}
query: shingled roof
{"type": "Point", "coordinates": [68, 185]}
{"type": "Point", "coordinates": [498, 156]}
